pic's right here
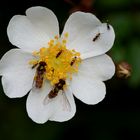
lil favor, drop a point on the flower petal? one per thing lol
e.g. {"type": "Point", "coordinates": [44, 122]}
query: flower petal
{"type": "Point", "coordinates": [99, 67]}
{"type": "Point", "coordinates": [44, 19]}
{"type": "Point", "coordinates": [80, 24]}
{"type": "Point", "coordinates": [30, 32]}
{"type": "Point", "coordinates": [103, 43]}
{"type": "Point", "coordinates": [82, 29]}
{"type": "Point", "coordinates": [65, 108]}
{"type": "Point", "coordinates": [17, 75]}
{"type": "Point", "coordinates": [88, 90]}
{"type": "Point", "coordinates": [36, 109]}
{"type": "Point", "coordinates": [23, 34]}
{"type": "Point", "coordinates": [41, 109]}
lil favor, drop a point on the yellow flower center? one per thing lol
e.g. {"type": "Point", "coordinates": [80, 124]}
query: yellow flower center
{"type": "Point", "coordinates": [61, 63]}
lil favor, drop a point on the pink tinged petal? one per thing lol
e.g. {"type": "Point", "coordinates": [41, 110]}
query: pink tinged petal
{"type": "Point", "coordinates": [40, 108]}
{"type": "Point", "coordinates": [32, 32]}
{"type": "Point", "coordinates": [82, 29]}
{"type": "Point", "coordinates": [17, 75]}
{"type": "Point", "coordinates": [88, 90]}
{"type": "Point", "coordinates": [99, 68]}
{"type": "Point", "coordinates": [44, 19]}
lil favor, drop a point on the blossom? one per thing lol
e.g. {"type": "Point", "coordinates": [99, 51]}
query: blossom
{"type": "Point", "coordinates": [54, 67]}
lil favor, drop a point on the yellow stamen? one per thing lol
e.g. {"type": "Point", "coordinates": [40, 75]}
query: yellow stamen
{"type": "Point", "coordinates": [61, 63]}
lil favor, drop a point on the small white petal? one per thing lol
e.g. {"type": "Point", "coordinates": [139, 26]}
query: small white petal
{"type": "Point", "coordinates": [82, 29]}
{"type": "Point", "coordinates": [17, 74]}
{"type": "Point", "coordinates": [44, 19]}
{"type": "Point", "coordinates": [41, 109]}
{"type": "Point", "coordinates": [33, 31]}
{"type": "Point", "coordinates": [99, 67]}
{"type": "Point", "coordinates": [88, 90]}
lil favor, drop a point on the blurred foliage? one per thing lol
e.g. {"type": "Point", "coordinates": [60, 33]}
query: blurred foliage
{"type": "Point", "coordinates": [117, 116]}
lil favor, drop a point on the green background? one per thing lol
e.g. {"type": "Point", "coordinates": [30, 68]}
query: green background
{"type": "Point", "coordinates": [117, 117]}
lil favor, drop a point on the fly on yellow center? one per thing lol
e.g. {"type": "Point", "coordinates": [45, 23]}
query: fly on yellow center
{"type": "Point", "coordinates": [55, 62]}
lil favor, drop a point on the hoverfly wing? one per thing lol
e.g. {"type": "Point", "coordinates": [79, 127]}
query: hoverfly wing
{"type": "Point", "coordinates": [65, 102]}
{"type": "Point", "coordinates": [47, 100]}
{"type": "Point", "coordinates": [34, 83]}
{"type": "Point", "coordinates": [38, 82]}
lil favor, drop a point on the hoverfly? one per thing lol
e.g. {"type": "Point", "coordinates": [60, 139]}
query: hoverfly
{"type": "Point", "coordinates": [59, 86]}
{"type": "Point", "coordinates": [40, 71]}
{"type": "Point", "coordinates": [58, 89]}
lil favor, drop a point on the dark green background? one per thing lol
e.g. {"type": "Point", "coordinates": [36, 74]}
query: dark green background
{"type": "Point", "coordinates": [117, 117]}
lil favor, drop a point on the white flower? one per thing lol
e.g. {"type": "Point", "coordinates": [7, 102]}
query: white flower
{"type": "Point", "coordinates": [74, 63]}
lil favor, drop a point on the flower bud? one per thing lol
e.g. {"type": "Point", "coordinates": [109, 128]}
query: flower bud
{"type": "Point", "coordinates": [123, 70]}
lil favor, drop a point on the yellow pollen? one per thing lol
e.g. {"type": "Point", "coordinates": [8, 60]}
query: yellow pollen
{"type": "Point", "coordinates": [61, 63]}
{"type": "Point", "coordinates": [66, 35]}
{"type": "Point", "coordinates": [64, 41]}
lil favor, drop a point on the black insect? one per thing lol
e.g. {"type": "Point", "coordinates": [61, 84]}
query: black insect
{"type": "Point", "coordinates": [96, 37]}
{"type": "Point", "coordinates": [73, 61]}
{"type": "Point", "coordinates": [108, 26]}
{"type": "Point", "coordinates": [59, 53]}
